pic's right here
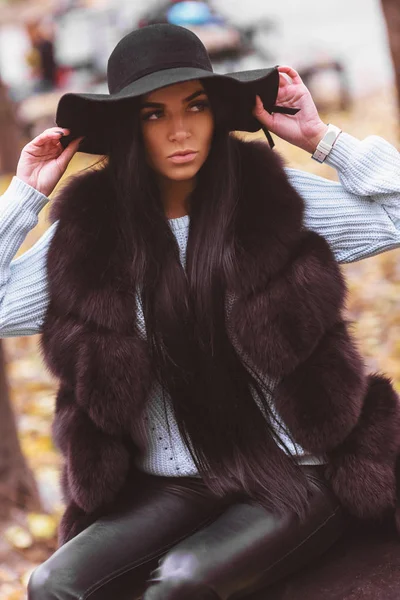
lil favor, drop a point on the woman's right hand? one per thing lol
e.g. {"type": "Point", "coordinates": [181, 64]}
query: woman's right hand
{"type": "Point", "coordinates": [43, 161]}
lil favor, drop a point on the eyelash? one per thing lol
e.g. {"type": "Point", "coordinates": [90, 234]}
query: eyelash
{"type": "Point", "coordinates": [202, 103]}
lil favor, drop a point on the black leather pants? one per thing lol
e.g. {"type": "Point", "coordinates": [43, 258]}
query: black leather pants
{"type": "Point", "coordinates": [176, 541]}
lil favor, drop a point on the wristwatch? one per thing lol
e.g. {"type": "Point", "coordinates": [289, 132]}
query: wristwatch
{"type": "Point", "coordinates": [327, 143]}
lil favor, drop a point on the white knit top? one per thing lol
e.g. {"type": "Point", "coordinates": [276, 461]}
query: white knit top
{"type": "Point", "coordinates": [359, 216]}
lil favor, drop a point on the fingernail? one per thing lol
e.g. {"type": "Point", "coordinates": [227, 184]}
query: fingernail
{"type": "Point", "coordinates": [60, 132]}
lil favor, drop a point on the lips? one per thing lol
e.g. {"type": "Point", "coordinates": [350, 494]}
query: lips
{"type": "Point", "coordinates": [182, 153]}
{"type": "Point", "coordinates": [183, 157]}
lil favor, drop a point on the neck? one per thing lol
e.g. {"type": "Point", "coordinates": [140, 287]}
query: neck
{"type": "Point", "coordinates": [174, 196]}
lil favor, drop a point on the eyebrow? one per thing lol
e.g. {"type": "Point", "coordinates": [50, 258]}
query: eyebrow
{"type": "Point", "coordinates": [160, 105]}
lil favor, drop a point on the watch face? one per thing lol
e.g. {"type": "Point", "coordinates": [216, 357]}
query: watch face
{"type": "Point", "coordinates": [330, 137]}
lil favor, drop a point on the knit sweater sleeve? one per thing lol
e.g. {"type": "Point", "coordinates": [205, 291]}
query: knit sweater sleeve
{"type": "Point", "coordinates": [23, 281]}
{"type": "Point", "coordinates": [359, 215]}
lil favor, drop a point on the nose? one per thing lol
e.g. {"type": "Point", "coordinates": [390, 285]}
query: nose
{"type": "Point", "coordinates": [179, 131]}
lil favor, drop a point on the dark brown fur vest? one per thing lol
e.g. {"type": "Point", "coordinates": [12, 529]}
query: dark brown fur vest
{"type": "Point", "coordinates": [287, 317]}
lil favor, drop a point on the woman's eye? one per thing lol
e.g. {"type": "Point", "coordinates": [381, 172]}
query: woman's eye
{"type": "Point", "coordinates": [155, 113]}
{"type": "Point", "coordinates": [200, 105]}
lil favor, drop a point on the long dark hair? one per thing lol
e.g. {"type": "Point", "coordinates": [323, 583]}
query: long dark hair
{"type": "Point", "coordinates": [211, 388]}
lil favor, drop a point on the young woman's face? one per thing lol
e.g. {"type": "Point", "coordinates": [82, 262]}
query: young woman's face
{"type": "Point", "coordinates": [177, 118]}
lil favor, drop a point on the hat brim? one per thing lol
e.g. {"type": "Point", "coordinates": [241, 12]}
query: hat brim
{"type": "Point", "coordinates": [83, 114]}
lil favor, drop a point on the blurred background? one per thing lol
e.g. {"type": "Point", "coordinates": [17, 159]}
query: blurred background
{"type": "Point", "coordinates": [348, 54]}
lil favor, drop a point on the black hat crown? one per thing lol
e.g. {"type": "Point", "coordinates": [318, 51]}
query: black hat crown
{"type": "Point", "coordinates": [156, 56]}
{"type": "Point", "coordinates": [151, 49]}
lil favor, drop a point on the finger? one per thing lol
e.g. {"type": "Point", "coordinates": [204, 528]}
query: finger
{"type": "Point", "coordinates": [258, 107]}
{"type": "Point", "coordinates": [292, 73]}
{"type": "Point", "coordinates": [46, 147]}
{"type": "Point", "coordinates": [261, 114]}
{"type": "Point", "coordinates": [72, 148]}
{"type": "Point", "coordinates": [49, 134]}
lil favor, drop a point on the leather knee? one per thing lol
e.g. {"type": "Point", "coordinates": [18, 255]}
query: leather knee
{"type": "Point", "coordinates": [45, 584]}
{"type": "Point", "coordinates": [178, 577]}
{"type": "Point", "coordinates": [38, 584]}
{"type": "Point", "coordinates": [179, 588]}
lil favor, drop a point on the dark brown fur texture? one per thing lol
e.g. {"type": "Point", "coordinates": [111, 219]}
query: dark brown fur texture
{"type": "Point", "coordinates": [287, 316]}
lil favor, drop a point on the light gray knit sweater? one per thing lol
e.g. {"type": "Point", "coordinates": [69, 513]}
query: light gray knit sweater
{"type": "Point", "coordinates": [359, 216]}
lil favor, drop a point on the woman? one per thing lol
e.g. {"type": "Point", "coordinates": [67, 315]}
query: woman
{"type": "Point", "coordinates": [141, 344]}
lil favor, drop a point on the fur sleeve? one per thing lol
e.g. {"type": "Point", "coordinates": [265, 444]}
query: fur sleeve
{"type": "Point", "coordinates": [96, 464]}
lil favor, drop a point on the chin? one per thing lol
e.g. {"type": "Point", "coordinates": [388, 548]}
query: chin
{"type": "Point", "coordinates": [183, 173]}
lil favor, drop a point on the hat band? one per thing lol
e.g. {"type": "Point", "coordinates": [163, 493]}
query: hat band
{"type": "Point", "coordinates": [150, 70]}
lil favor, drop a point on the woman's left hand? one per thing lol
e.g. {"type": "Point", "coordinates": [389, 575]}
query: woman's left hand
{"type": "Point", "coordinates": [304, 129]}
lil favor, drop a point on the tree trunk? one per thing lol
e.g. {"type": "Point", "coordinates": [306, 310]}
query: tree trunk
{"type": "Point", "coordinates": [17, 484]}
{"type": "Point", "coordinates": [10, 136]}
{"type": "Point", "coordinates": [391, 12]}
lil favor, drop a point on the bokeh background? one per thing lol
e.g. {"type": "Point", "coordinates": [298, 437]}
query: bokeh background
{"type": "Point", "coordinates": [348, 53]}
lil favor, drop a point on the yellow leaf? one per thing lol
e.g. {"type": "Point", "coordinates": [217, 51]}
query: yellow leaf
{"type": "Point", "coordinates": [42, 526]}
{"type": "Point", "coordinates": [18, 537]}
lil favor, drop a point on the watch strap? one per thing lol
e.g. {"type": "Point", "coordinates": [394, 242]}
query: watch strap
{"type": "Point", "coordinates": [326, 144]}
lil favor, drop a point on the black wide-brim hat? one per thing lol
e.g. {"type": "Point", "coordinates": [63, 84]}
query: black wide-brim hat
{"type": "Point", "coordinates": [157, 56]}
